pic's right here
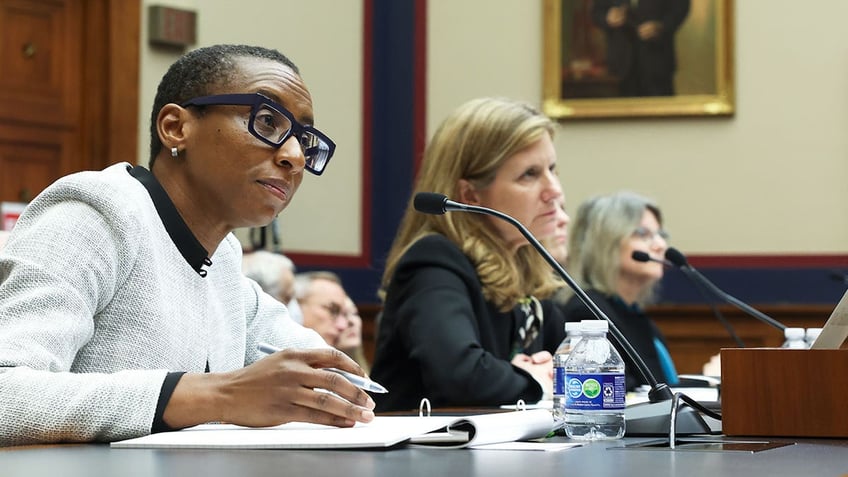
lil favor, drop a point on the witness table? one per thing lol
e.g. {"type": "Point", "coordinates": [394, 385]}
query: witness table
{"type": "Point", "coordinates": [804, 458]}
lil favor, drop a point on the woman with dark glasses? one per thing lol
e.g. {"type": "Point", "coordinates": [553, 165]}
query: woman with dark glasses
{"type": "Point", "coordinates": [123, 309]}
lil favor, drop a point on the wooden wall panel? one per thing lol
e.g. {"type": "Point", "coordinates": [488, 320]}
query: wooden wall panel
{"type": "Point", "coordinates": [692, 331]}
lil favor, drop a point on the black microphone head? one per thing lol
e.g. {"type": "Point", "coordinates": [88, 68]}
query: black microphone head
{"type": "Point", "coordinates": [676, 257]}
{"type": "Point", "coordinates": [430, 203]}
{"type": "Point", "coordinates": [641, 256]}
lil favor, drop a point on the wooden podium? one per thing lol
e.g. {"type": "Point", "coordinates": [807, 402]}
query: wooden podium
{"type": "Point", "coordinates": [784, 392]}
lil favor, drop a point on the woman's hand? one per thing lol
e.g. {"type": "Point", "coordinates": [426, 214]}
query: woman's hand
{"type": "Point", "coordinates": [286, 386]}
{"type": "Point", "coordinates": [539, 365]}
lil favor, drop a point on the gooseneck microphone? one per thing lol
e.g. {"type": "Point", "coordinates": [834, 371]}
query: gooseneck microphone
{"type": "Point", "coordinates": [838, 276]}
{"type": "Point", "coordinates": [650, 421]}
{"type": "Point", "coordinates": [679, 260]}
{"type": "Point", "coordinates": [437, 204]}
{"type": "Point", "coordinates": [641, 256]}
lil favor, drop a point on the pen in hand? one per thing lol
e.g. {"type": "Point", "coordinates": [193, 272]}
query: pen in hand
{"type": "Point", "coordinates": [358, 381]}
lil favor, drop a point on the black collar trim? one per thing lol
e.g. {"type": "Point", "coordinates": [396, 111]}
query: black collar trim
{"type": "Point", "coordinates": [188, 245]}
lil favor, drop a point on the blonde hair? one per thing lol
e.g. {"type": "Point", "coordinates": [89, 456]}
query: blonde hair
{"type": "Point", "coordinates": [472, 144]}
{"type": "Point", "coordinates": [601, 225]}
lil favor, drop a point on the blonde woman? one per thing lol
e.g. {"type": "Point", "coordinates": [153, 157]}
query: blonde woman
{"type": "Point", "coordinates": [350, 339]}
{"type": "Point", "coordinates": [464, 321]}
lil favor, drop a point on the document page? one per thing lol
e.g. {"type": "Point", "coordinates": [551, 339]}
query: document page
{"type": "Point", "coordinates": [382, 432]}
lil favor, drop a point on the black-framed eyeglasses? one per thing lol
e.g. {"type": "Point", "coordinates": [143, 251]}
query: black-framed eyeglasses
{"type": "Point", "coordinates": [649, 235]}
{"type": "Point", "coordinates": [335, 310]}
{"type": "Point", "coordinates": [273, 124]}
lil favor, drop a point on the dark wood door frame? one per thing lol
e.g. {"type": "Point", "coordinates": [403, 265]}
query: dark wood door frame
{"type": "Point", "coordinates": [111, 42]}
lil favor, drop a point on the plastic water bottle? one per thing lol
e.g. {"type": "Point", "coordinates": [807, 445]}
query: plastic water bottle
{"type": "Point", "coordinates": [811, 336]}
{"type": "Point", "coordinates": [794, 338]}
{"type": "Point", "coordinates": [572, 337]}
{"type": "Point", "coordinates": [595, 387]}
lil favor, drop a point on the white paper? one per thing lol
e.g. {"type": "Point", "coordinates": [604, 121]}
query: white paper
{"type": "Point", "coordinates": [836, 328]}
{"type": "Point", "coordinates": [382, 432]}
{"type": "Point", "coordinates": [529, 446]}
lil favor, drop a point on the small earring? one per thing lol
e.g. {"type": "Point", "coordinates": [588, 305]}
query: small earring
{"type": "Point", "coordinates": [175, 152]}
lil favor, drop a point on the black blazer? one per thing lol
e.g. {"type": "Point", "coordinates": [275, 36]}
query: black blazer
{"type": "Point", "coordinates": [439, 338]}
{"type": "Point", "coordinates": [658, 55]}
{"type": "Point", "coordinates": [635, 325]}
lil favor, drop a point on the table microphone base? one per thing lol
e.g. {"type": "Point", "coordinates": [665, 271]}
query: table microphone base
{"type": "Point", "coordinates": [652, 419]}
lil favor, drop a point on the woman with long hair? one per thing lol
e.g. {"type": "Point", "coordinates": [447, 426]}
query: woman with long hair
{"type": "Point", "coordinates": [465, 321]}
{"type": "Point", "coordinates": [605, 233]}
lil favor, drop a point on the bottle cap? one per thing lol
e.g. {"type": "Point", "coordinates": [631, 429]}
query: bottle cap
{"type": "Point", "coordinates": [594, 326]}
{"type": "Point", "coordinates": [813, 333]}
{"type": "Point", "coordinates": [793, 333]}
{"type": "Point", "coordinates": [572, 327]}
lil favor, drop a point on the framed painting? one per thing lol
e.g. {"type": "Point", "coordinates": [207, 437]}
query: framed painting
{"type": "Point", "coordinates": [637, 58]}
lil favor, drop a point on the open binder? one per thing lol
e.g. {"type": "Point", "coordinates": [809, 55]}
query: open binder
{"type": "Point", "coordinates": [383, 432]}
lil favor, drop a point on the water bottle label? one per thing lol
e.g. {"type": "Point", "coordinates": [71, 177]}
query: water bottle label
{"type": "Point", "coordinates": [559, 381]}
{"type": "Point", "coordinates": [594, 392]}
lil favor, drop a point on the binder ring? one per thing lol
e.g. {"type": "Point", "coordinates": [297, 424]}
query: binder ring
{"type": "Point", "coordinates": [425, 403]}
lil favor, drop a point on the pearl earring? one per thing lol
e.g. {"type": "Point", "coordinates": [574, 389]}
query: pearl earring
{"type": "Point", "coordinates": [175, 152]}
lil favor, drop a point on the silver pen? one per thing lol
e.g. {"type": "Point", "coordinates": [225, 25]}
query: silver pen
{"type": "Point", "coordinates": [358, 381]}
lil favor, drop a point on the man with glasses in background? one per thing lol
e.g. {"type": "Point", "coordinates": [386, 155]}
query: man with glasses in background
{"type": "Point", "coordinates": [123, 308]}
{"type": "Point", "coordinates": [322, 301]}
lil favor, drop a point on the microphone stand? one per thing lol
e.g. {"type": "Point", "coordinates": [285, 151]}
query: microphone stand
{"type": "Point", "coordinates": [640, 256]}
{"type": "Point", "coordinates": [651, 419]}
{"type": "Point", "coordinates": [659, 391]}
{"type": "Point", "coordinates": [677, 259]}
{"type": "Point", "coordinates": [727, 326]}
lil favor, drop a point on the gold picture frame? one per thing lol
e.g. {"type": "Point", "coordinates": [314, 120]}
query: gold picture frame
{"type": "Point", "coordinates": [577, 84]}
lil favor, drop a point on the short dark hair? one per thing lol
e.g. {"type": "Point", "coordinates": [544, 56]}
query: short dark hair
{"type": "Point", "coordinates": [198, 73]}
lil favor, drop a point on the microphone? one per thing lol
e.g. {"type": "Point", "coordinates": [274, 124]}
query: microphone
{"type": "Point", "coordinates": [648, 419]}
{"type": "Point", "coordinates": [679, 260]}
{"type": "Point", "coordinates": [840, 277]}
{"type": "Point", "coordinates": [641, 256]}
{"type": "Point", "coordinates": [437, 204]}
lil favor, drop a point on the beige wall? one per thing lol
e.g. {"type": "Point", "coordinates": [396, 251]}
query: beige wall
{"type": "Point", "coordinates": [773, 179]}
{"type": "Point", "coordinates": [770, 180]}
{"type": "Point", "coordinates": [324, 38]}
